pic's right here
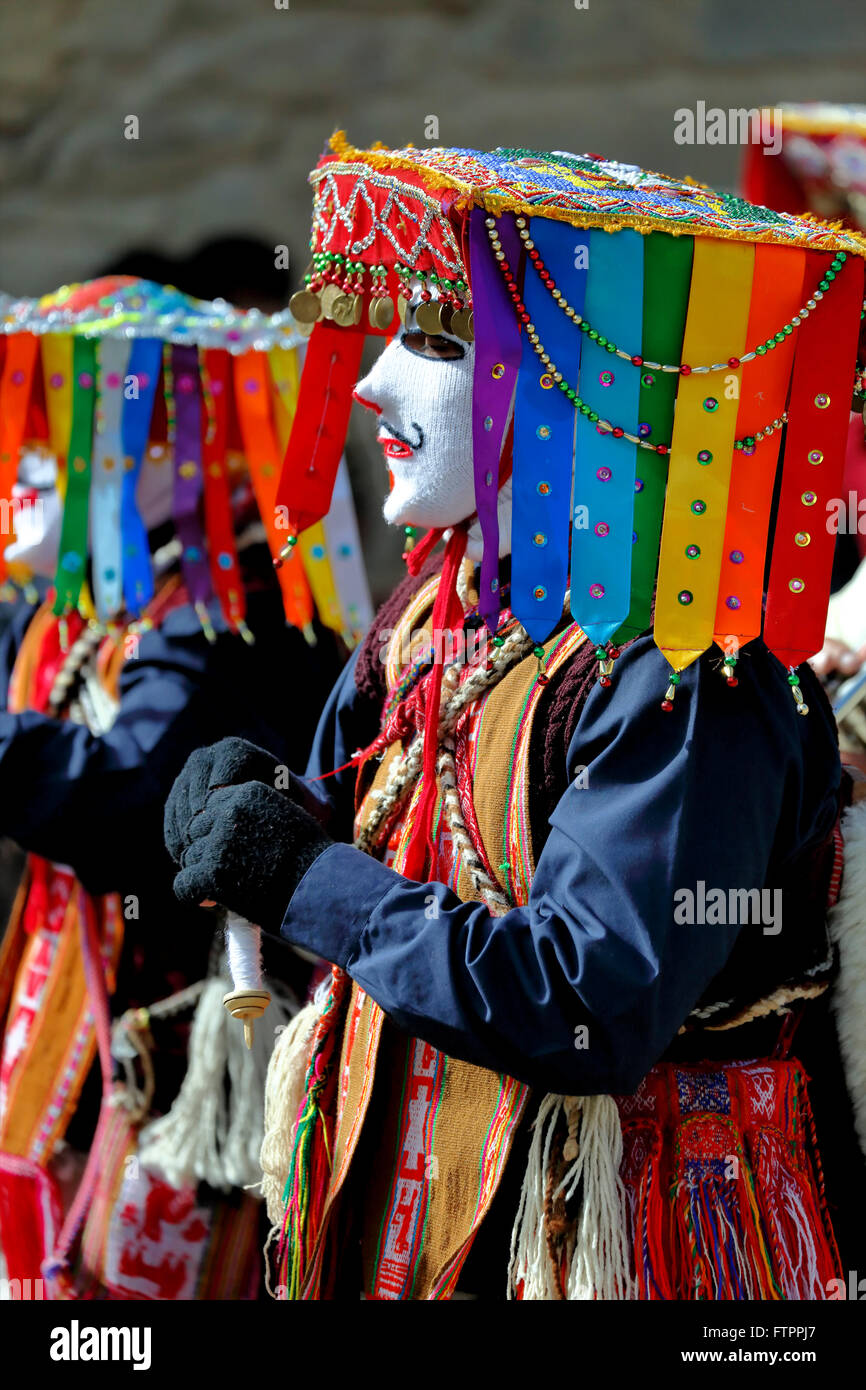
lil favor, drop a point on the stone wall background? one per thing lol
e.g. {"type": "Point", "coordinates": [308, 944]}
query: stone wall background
{"type": "Point", "coordinates": [234, 99]}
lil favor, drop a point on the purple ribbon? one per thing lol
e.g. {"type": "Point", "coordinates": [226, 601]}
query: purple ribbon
{"type": "Point", "coordinates": [188, 479]}
{"type": "Point", "coordinates": [497, 358]}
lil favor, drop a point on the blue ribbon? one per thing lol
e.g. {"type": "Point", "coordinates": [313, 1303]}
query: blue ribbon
{"type": "Point", "coordinates": [605, 468]}
{"type": "Point", "coordinates": [544, 433]}
{"type": "Point", "coordinates": [106, 488]}
{"type": "Point", "coordinates": [144, 366]}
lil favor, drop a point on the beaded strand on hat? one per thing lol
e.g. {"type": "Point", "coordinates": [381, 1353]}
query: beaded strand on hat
{"type": "Point", "coordinates": [603, 426]}
{"type": "Point", "coordinates": [635, 359]}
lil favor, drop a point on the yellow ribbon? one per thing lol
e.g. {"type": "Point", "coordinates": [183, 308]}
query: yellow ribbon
{"type": "Point", "coordinates": [702, 450]}
{"type": "Point", "coordinates": [57, 372]}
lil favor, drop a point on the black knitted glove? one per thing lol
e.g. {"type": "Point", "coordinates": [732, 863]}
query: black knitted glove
{"type": "Point", "coordinates": [248, 850]}
{"type": "Point", "coordinates": [229, 763]}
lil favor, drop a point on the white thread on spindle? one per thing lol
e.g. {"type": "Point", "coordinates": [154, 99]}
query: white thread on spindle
{"type": "Point", "coordinates": [244, 947]}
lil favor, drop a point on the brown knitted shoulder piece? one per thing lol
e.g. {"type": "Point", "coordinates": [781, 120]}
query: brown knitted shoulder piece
{"type": "Point", "coordinates": [555, 718]}
{"type": "Point", "coordinates": [553, 728]}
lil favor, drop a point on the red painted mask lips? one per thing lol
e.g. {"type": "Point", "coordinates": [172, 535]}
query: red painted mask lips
{"type": "Point", "coordinates": [26, 494]}
{"type": "Point", "coordinates": [395, 449]}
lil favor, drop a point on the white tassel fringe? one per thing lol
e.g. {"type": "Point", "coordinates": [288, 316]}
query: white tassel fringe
{"type": "Point", "coordinates": [284, 1093]}
{"type": "Point", "coordinates": [213, 1132]}
{"type": "Point", "coordinates": [847, 925]}
{"type": "Point", "coordinates": [600, 1263]}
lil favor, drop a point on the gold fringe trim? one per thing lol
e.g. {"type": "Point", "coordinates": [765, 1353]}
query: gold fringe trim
{"type": "Point", "coordinates": [833, 238]}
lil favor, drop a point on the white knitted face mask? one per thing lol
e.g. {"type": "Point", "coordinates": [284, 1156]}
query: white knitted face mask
{"type": "Point", "coordinates": [425, 429]}
{"type": "Point", "coordinates": [39, 511]}
{"type": "Point", "coordinates": [38, 514]}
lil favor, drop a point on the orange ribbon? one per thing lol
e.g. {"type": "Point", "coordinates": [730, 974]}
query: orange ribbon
{"type": "Point", "coordinates": [253, 402]}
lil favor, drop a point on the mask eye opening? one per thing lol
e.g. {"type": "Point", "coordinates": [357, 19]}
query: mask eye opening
{"type": "Point", "coordinates": [436, 348]}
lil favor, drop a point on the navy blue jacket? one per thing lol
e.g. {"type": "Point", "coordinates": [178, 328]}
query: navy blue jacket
{"type": "Point", "coordinates": [733, 789]}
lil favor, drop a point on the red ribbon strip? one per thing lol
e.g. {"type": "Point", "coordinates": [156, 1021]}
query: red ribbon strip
{"type": "Point", "coordinates": [447, 614]}
{"type": "Point", "coordinates": [331, 366]}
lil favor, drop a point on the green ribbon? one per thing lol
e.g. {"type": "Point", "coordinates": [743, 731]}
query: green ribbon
{"type": "Point", "coordinates": [667, 280]}
{"type": "Point", "coordinates": [72, 560]}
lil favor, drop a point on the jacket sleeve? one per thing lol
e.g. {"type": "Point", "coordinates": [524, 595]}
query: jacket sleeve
{"type": "Point", "coordinates": [346, 724]}
{"type": "Point", "coordinates": [95, 802]}
{"type": "Point", "coordinates": [15, 619]}
{"type": "Point", "coordinates": [582, 990]}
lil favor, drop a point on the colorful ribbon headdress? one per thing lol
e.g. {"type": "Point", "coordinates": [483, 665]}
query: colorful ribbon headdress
{"type": "Point", "coordinates": [812, 160]}
{"type": "Point", "coordinates": [663, 352]}
{"type": "Point", "coordinates": [119, 375]}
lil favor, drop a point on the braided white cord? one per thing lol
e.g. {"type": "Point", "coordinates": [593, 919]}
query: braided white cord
{"type": "Point", "coordinates": [486, 887]}
{"type": "Point", "coordinates": [385, 800]}
{"type": "Point", "coordinates": [75, 660]}
{"type": "Point", "coordinates": [407, 769]}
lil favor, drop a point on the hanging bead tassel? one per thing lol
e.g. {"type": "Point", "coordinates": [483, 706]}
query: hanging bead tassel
{"type": "Point", "coordinates": [668, 701]}
{"type": "Point", "coordinates": [794, 682]}
{"type": "Point", "coordinates": [207, 626]}
{"type": "Point", "coordinates": [411, 534]}
{"type": "Point", "coordinates": [606, 657]}
{"type": "Point", "coordinates": [286, 551]}
{"type": "Point", "coordinates": [540, 656]}
{"type": "Point", "coordinates": [729, 670]}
